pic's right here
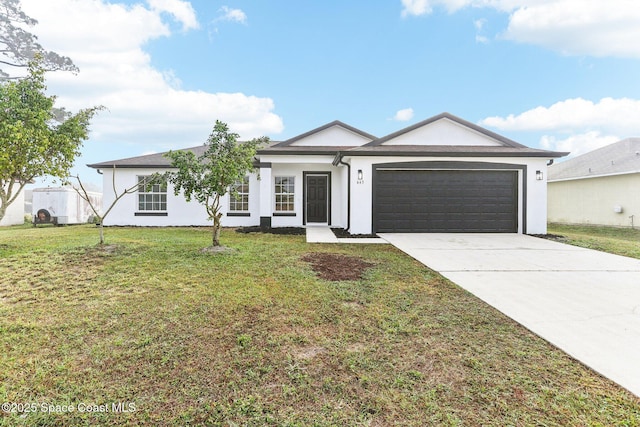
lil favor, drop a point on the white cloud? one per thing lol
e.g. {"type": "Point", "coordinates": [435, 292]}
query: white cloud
{"type": "Point", "coordinates": [577, 144]}
{"type": "Point", "coordinates": [403, 115]}
{"type": "Point", "coordinates": [145, 105]}
{"type": "Point", "coordinates": [619, 116]}
{"type": "Point", "coordinates": [579, 27]}
{"type": "Point", "coordinates": [480, 24]}
{"type": "Point", "coordinates": [572, 27]}
{"type": "Point", "coordinates": [232, 15]}
{"type": "Point", "coordinates": [576, 125]}
{"type": "Point", "coordinates": [415, 7]}
{"type": "Point", "coordinates": [182, 11]}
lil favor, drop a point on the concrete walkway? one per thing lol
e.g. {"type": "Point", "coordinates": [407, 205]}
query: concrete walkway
{"type": "Point", "coordinates": [320, 234]}
{"type": "Point", "coordinates": [585, 302]}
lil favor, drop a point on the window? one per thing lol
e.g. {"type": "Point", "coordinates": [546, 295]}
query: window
{"type": "Point", "coordinates": [284, 193]}
{"type": "Point", "coordinates": [240, 201]}
{"type": "Point", "coordinates": [151, 197]}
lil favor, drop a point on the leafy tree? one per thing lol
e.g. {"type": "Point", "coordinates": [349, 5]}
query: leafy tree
{"type": "Point", "coordinates": [18, 46]}
{"type": "Point", "coordinates": [213, 174]}
{"type": "Point", "coordinates": [33, 141]}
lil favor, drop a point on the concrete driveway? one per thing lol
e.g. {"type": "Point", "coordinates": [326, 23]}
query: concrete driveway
{"type": "Point", "coordinates": [585, 302]}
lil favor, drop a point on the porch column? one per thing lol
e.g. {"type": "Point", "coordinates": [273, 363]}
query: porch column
{"type": "Point", "coordinates": [266, 196]}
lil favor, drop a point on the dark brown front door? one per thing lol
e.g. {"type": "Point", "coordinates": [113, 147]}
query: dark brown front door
{"type": "Point", "coordinates": [317, 198]}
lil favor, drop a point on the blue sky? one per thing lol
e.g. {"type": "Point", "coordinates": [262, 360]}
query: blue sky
{"type": "Point", "coordinates": [555, 74]}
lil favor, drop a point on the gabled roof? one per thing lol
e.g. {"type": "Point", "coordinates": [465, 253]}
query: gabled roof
{"type": "Point", "coordinates": [622, 157]}
{"type": "Point", "coordinates": [295, 139]}
{"type": "Point", "coordinates": [447, 116]}
{"type": "Point", "coordinates": [296, 145]}
{"type": "Point", "coordinates": [497, 145]}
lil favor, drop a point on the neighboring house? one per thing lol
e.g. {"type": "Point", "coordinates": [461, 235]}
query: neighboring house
{"type": "Point", "coordinates": [601, 187]}
{"type": "Point", "coordinates": [15, 211]}
{"type": "Point", "coordinates": [443, 174]}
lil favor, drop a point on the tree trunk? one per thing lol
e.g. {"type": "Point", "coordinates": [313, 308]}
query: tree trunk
{"type": "Point", "coordinates": [3, 208]}
{"type": "Point", "coordinates": [216, 230]}
{"type": "Point", "coordinates": [101, 232]}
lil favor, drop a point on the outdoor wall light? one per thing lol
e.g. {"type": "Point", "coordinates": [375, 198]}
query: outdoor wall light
{"type": "Point", "coordinates": [359, 174]}
{"type": "Point", "coordinates": [539, 175]}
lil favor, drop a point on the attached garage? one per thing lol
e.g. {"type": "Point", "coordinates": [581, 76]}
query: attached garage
{"type": "Point", "coordinates": [445, 200]}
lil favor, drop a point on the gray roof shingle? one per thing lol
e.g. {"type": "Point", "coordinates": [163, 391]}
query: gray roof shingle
{"type": "Point", "coordinates": [156, 160]}
{"type": "Point", "coordinates": [621, 157]}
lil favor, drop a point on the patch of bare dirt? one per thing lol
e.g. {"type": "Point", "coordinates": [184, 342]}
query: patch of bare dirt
{"type": "Point", "coordinates": [337, 267]}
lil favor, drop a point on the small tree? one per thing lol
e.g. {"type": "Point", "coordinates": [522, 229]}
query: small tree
{"type": "Point", "coordinates": [84, 194]}
{"type": "Point", "coordinates": [34, 140]}
{"type": "Point", "coordinates": [210, 176]}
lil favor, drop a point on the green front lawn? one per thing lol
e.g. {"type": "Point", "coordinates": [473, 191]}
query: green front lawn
{"type": "Point", "coordinates": [620, 241]}
{"type": "Point", "coordinates": [252, 337]}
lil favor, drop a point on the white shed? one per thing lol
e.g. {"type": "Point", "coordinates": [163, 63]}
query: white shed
{"type": "Point", "coordinates": [62, 205]}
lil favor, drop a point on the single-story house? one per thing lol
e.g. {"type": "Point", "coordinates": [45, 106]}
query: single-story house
{"type": "Point", "coordinates": [443, 174]}
{"type": "Point", "coordinates": [601, 187]}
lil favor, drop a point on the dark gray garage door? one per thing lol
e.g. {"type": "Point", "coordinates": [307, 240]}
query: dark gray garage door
{"type": "Point", "coordinates": [445, 201]}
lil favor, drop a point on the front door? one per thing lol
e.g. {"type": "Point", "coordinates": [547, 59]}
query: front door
{"type": "Point", "coordinates": [317, 203]}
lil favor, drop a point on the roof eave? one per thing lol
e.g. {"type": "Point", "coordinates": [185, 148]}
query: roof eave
{"type": "Point", "coordinates": [457, 154]}
{"type": "Point", "coordinates": [604, 175]}
{"type": "Point", "coordinates": [132, 166]}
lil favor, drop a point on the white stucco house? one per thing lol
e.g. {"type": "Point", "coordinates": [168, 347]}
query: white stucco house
{"type": "Point", "coordinates": [443, 174]}
{"type": "Point", "coordinates": [601, 187]}
{"type": "Point", "coordinates": [15, 211]}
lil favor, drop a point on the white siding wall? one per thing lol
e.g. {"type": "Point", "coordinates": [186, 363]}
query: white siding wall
{"type": "Point", "coordinates": [179, 211]}
{"type": "Point", "coordinates": [183, 213]}
{"type": "Point", "coordinates": [536, 197]}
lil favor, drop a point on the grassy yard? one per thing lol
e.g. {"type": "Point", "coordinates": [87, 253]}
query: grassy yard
{"type": "Point", "coordinates": [252, 337]}
{"type": "Point", "coordinates": [621, 241]}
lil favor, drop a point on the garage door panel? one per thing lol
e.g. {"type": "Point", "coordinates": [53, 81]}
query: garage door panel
{"type": "Point", "coordinates": [445, 201]}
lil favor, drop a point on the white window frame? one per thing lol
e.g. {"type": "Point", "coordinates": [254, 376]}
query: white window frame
{"type": "Point", "coordinates": [243, 189]}
{"type": "Point", "coordinates": [152, 199]}
{"type": "Point", "coordinates": [284, 192]}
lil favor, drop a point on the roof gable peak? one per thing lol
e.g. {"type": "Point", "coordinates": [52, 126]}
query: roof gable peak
{"type": "Point", "coordinates": [445, 129]}
{"type": "Point", "coordinates": [335, 133]}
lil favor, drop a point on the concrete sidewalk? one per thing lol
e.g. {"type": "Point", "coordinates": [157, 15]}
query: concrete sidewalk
{"type": "Point", "coordinates": [320, 234]}
{"type": "Point", "coordinates": [585, 302]}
